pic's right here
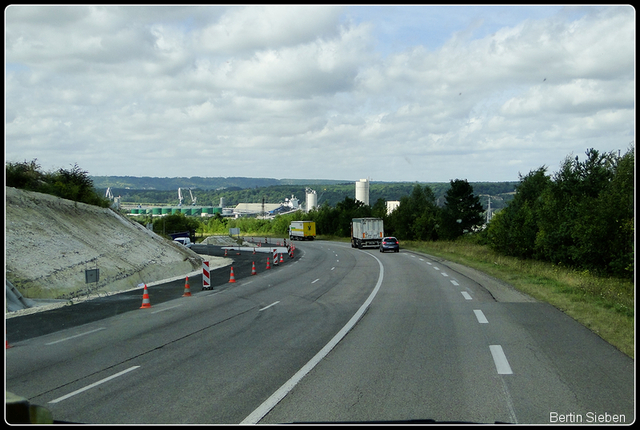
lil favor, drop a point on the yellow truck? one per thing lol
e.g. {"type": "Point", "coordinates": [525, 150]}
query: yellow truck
{"type": "Point", "coordinates": [302, 230]}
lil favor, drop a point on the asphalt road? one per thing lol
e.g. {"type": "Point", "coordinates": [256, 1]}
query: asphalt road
{"type": "Point", "coordinates": [53, 320]}
{"type": "Point", "coordinates": [436, 346]}
{"type": "Point", "coordinates": [431, 344]}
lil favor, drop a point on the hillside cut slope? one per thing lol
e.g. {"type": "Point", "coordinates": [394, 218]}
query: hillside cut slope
{"type": "Point", "coordinates": [51, 242]}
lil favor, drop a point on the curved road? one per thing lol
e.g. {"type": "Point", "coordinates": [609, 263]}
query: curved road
{"type": "Point", "coordinates": [433, 344]}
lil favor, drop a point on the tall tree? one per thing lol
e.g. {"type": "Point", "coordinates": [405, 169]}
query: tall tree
{"type": "Point", "coordinates": [348, 209]}
{"type": "Point", "coordinates": [462, 210]}
{"type": "Point", "coordinates": [571, 229]}
{"type": "Point", "coordinates": [513, 230]}
{"type": "Point", "coordinates": [416, 218]}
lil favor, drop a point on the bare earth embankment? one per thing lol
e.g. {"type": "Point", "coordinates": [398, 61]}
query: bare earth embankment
{"type": "Point", "coordinates": [51, 242]}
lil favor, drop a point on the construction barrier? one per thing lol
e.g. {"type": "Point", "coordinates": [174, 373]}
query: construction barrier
{"type": "Point", "coordinates": [206, 280]}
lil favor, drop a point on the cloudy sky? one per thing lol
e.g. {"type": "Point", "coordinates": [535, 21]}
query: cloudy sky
{"type": "Point", "coordinates": [390, 93]}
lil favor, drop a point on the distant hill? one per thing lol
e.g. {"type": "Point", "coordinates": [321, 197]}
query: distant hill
{"type": "Point", "coordinates": [209, 191]}
{"type": "Point", "coordinates": [155, 183]}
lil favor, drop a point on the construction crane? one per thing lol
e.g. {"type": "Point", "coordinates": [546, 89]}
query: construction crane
{"type": "Point", "coordinates": [180, 198]}
{"type": "Point", "coordinates": [115, 200]}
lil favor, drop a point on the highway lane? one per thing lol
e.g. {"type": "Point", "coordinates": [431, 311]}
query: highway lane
{"type": "Point", "coordinates": [209, 358]}
{"type": "Point", "coordinates": [435, 345]}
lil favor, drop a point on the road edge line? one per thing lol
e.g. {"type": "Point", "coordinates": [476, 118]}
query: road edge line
{"type": "Point", "coordinates": [266, 406]}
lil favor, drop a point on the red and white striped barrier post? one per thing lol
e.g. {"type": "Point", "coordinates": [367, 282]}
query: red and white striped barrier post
{"type": "Point", "coordinates": [206, 280]}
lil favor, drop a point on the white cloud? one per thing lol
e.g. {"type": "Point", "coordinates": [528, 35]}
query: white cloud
{"type": "Point", "coordinates": [247, 29]}
{"type": "Point", "coordinates": [125, 90]}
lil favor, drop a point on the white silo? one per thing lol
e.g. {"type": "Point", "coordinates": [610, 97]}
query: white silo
{"type": "Point", "coordinates": [392, 205]}
{"type": "Point", "coordinates": [362, 191]}
{"type": "Point", "coordinates": [311, 199]}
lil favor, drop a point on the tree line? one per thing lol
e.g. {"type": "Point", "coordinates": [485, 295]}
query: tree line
{"type": "Point", "coordinates": [582, 216]}
{"type": "Point", "coordinates": [417, 217]}
{"type": "Point", "coordinates": [71, 184]}
{"type": "Point", "coordinates": [331, 194]}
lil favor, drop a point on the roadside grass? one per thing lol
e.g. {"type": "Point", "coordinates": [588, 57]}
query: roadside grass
{"type": "Point", "coordinates": [606, 306]}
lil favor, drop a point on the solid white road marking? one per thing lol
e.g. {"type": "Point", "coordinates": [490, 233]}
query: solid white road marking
{"type": "Point", "coordinates": [73, 337]}
{"type": "Point", "coordinates": [267, 307]}
{"type": "Point", "coordinates": [281, 392]}
{"type": "Point", "coordinates": [466, 295]}
{"type": "Point", "coordinates": [480, 316]}
{"type": "Point", "coordinates": [165, 309]}
{"type": "Point", "coordinates": [95, 384]}
{"type": "Point", "coordinates": [500, 360]}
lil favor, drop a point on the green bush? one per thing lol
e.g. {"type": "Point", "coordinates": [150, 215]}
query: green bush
{"type": "Point", "coordinates": [74, 184]}
{"type": "Point", "coordinates": [582, 217]}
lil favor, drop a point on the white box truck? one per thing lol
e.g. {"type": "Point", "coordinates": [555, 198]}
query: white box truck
{"type": "Point", "coordinates": [366, 232]}
{"type": "Point", "coordinates": [302, 230]}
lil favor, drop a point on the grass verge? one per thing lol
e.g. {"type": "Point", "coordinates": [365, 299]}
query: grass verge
{"type": "Point", "coordinates": [603, 305]}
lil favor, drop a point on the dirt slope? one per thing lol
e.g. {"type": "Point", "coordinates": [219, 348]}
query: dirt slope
{"type": "Point", "coordinates": [50, 242]}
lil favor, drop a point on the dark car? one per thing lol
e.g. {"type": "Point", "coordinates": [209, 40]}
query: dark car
{"type": "Point", "coordinates": [389, 244]}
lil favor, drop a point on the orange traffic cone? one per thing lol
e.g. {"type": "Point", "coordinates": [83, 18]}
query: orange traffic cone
{"type": "Point", "coordinates": [145, 298]}
{"type": "Point", "coordinates": [187, 289]}
{"type": "Point", "coordinates": [253, 268]}
{"type": "Point", "coordinates": [232, 278]}
{"type": "Point", "coordinates": [268, 265]}
{"type": "Point", "coordinates": [281, 259]}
